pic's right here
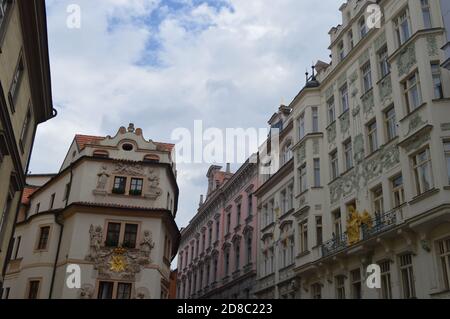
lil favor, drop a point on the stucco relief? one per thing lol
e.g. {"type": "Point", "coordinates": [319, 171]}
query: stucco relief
{"type": "Point", "coordinates": [345, 123]}
{"type": "Point", "coordinates": [316, 147]}
{"type": "Point", "coordinates": [406, 59]}
{"type": "Point", "coordinates": [118, 262]}
{"type": "Point", "coordinates": [102, 181]}
{"type": "Point", "coordinates": [86, 291]}
{"type": "Point", "coordinates": [415, 122]}
{"type": "Point", "coordinates": [301, 154]}
{"type": "Point", "coordinates": [386, 90]}
{"type": "Point", "coordinates": [417, 142]}
{"type": "Point", "coordinates": [368, 103]}
{"type": "Point", "coordinates": [129, 169]}
{"type": "Point", "coordinates": [153, 191]}
{"type": "Point", "coordinates": [331, 133]}
{"type": "Point", "coordinates": [432, 45]}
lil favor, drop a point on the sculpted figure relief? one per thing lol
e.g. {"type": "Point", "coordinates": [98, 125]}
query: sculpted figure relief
{"type": "Point", "coordinates": [102, 178]}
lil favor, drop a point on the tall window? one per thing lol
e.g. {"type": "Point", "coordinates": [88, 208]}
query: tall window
{"type": "Point", "coordinates": [422, 171]}
{"type": "Point", "coordinates": [317, 172]}
{"type": "Point", "coordinates": [119, 185]}
{"type": "Point", "coordinates": [334, 165]}
{"type": "Point", "coordinates": [123, 290]}
{"type": "Point", "coordinates": [344, 98]}
{"type": "Point", "coordinates": [44, 234]}
{"type": "Point", "coordinates": [227, 262]}
{"type": "Point", "coordinates": [228, 223]}
{"type": "Point", "coordinates": [437, 81]}
{"type": "Point", "coordinates": [377, 200]}
{"type": "Point", "coordinates": [315, 119]}
{"type": "Point", "coordinates": [426, 13]}
{"type": "Point", "coordinates": [301, 126]}
{"type": "Point", "coordinates": [444, 256]}
{"type": "Point", "coordinates": [136, 186]}
{"type": "Point", "coordinates": [303, 236]}
{"type": "Point", "coordinates": [407, 276]}
{"type": "Point", "coordinates": [238, 214]}
{"type": "Point", "coordinates": [217, 229]}
{"type": "Point", "coordinates": [290, 197]}
{"type": "Point", "coordinates": [283, 200]}
{"type": "Point", "coordinates": [351, 42]}
{"type": "Point", "coordinates": [412, 92]}
{"type": "Point", "coordinates": [17, 79]}
{"type": "Point", "coordinates": [362, 28]}
{"type": "Point", "coordinates": [391, 123]}
{"type": "Point", "coordinates": [215, 269]}
{"type": "Point", "coordinates": [33, 289]}
{"type": "Point", "coordinates": [3, 8]}
{"type": "Point", "coordinates": [348, 154]}
{"type": "Point", "coordinates": [341, 51]}
{"type": "Point", "coordinates": [105, 290]}
{"type": "Point", "coordinates": [331, 111]}
{"type": "Point", "coordinates": [337, 225]}
{"type": "Point", "coordinates": [250, 204]}
{"type": "Point", "coordinates": [237, 256]}
{"type": "Point", "coordinates": [52, 201]}
{"type": "Point", "coordinates": [402, 27]}
{"type": "Point", "coordinates": [319, 231]}
{"type": "Point", "coordinates": [113, 235]}
{"type": "Point", "coordinates": [386, 285]}
{"type": "Point", "coordinates": [25, 129]}
{"type": "Point", "coordinates": [447, 158]}
{"type": "Point", "coordinates": [383, 63]}
{"type": "Point", "coordinates": [356, 283]}
{"type": "Point", "coordinates": [316, 291]}
{"type": "Point", "coordinates": [366, 71]}
{"type": "Point", "coordinates": [130, 235]}
{"type": "Point", "coordinates": [249, 249]}
{"type": "Point", "coordinates": [302, 178]}
{"type": "Point", "coordinates": [287, 153]}
{"type": "Point", "coordinates": [210, 230]}
{"type": "Point", "coordinates": [372, 136]}
{"type": "Point", "coordinates": [340, 287]}
{"type": "Point", "coordinates": [398, 191]}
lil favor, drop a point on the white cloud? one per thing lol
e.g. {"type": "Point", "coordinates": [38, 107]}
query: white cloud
{"type": "Point", "coordinates": [230, 68]}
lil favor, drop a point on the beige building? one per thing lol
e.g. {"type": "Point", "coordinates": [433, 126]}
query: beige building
{"type": "Point", "coordinates": [110, 210]}
{"type": "Point", "coordinates": [372, 158]}
{"type": "Point", "coordinates": [25, 101]}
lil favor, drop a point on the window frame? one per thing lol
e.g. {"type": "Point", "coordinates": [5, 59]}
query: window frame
{"type": "Point", "coordinates": [408, 88]}
{"type": "Point", "coordinates": [42, 241]}
{"type": "Point", "coordinates": [420, 189]}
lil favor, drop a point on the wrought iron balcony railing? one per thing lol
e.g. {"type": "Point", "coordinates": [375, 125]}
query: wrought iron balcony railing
{"type": "Point", "coordinates": [334, 245]}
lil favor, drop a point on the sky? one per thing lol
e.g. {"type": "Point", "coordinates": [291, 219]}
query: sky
{"type": "Point", "coordinates": [162, 64]}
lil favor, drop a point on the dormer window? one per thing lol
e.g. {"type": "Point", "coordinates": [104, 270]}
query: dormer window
{"type": "Point", "coordinates": [127, 147]}
{"type": "Point", "coordinates": [100, 153]}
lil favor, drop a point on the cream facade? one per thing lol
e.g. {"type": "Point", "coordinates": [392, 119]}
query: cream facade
{"type": "Point", "coordinates": [110, 210]}
{"type": "Point", "coordinates": [376, 187]}
{"type": "Point", "coordinates": [25, 102]}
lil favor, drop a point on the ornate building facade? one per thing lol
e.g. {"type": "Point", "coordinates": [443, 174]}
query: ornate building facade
{"type": "Point", "coordinates": [217, 256]}
{"type": "Point", "coordinates": [445, 9]}
{"type": "Point", "coordinates": [110, 210]}
{"type": "Point", "coordinates": [376, 184]}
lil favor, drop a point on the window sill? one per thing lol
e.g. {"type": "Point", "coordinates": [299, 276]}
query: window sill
{"type": "Point", "coordinates": [344, 113]}
{"type": "Point", "coordinates": [424, 195]}
{"type": "Point", "coordinates": [369, 91]}
{"type": "Point", "coordinates": [421, 106]}
{"type": "Point", "coordinates": [383, 78]}
{"type": "Point", "coordinates": [303, 254]}
{"type": "Point", "coordinates": [443, 99]}
{"type": "Point", "coordinates": [302, 193]}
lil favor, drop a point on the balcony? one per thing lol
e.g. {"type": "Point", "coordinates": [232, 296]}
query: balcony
{"type": "Point", "coordinates": [381, 223]}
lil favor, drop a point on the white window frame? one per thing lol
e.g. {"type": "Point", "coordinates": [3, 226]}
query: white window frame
{"type": "Point", "coordinates": [421, 167]}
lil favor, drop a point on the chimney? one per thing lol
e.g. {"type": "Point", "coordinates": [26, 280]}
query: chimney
{"type": "Point", "coordinates": [228, 168]}
{"type": "Point", "coordinates": [201, 200]}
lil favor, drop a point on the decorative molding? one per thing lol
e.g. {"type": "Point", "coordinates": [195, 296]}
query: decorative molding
{"type": "Point", "coordinates": [128, 169]}
{"type": "Point", "coordinates": [380, 41]}
{"type": "Point", "coordinates": [386, 90]}
{"type": "Point", "coordinates": [432, 45]}
{"type": "Point", "coordinates": [329, 92]}
{"type": "Point", "coordinates": [331, 133]}
{"type": "Point", "coordinates": [364, 57]}
{"type": "Point", "coordinates": [406, 59]}
{"type": "Point", "coordinates": [368, 103]}
{"type": "Point", "coordinates": [415, 122]}
{"type": "Point", "coordinates": [345, 122]}
{"type": "Point", "coordinates": [445, 127]}
{"type": "Point", "coordinates": [302, 154]}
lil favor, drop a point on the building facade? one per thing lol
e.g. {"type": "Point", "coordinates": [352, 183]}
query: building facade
{"type": "Point", "coordinates": [25, 102]}
{"type": "Point", "coordinates": [375, 189]}
{"type": "Point", "coordinates": [110, 210]}
{"type": "Point", "coordinates": [445, 10]}
{"type": "Point", "coordinates": [217, 256]}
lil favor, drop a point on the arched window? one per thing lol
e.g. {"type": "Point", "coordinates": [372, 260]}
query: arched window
{"type": "Point", "coordinates": [101, 153]}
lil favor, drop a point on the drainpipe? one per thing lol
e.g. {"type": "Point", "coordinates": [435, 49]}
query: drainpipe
{"type": "Point", "coordinates": [58, 220]}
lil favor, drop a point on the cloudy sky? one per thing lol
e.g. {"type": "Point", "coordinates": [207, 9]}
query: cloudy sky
{"type": "Point", "coordinates": [162, 64]}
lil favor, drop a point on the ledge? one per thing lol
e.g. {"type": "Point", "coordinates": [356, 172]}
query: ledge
{"type": "Point", "coordinates": [416, 110]}
{"type": "Point", "coordinates": [422, 196]}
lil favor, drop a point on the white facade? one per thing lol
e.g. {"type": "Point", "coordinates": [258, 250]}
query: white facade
{"type": "Point", "coordinates": [110, 210]}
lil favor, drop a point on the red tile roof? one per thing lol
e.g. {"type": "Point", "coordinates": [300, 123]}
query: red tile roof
{"type": "Point", "coordinates": [27, 192]}
{"type": "Point", "coordinates": [165, 146]}
{"type": "Point", "coordinates": [82, 140]}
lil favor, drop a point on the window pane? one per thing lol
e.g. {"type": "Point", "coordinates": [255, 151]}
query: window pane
{"type": "Point", "coordinates": [112, 237]}
{"type": "Point", "coordinates": [123, 291]}
{"type": "Point", "coordinates": [43, 237]}
{"type": "Point", "coordinates": [130, 236]}
{"type": "Point", "coordinates": [105, 290]}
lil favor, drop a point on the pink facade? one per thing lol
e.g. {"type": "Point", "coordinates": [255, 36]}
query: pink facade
{"type": "Point", "coordinates": [218, 249]}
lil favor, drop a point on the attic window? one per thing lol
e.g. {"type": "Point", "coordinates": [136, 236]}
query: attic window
{"type": "Point", "coordinates": [127, 147]}
{"type": "Point", "coordinates": [100, 153]}
{"type": "Point", "coordinates": [151, 158]}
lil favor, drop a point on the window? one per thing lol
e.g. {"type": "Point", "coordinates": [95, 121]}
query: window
{"type": "Point", "coordinates": [337, 224]}
{"type": "Point", "coordinates": [398, 191]}
{"type": "Point", "coordinates": [203, 242]}
{"type": "Point", "coordinates": [210, 230]}
{"type": "Point", "coordinates": [283, 201]}
{"type": "Point", "coordinates": [315, 120]}
{"type": "Point", "coordinates": [7, 291]}
{"type": "Point", "coordinates": [287, 153]}
{"type": "Point", "coordinates": [334, 165]}
{"type": "Point", "coordinates": [341, 51]}
{"type": "Point", "coordinates": [391, 123]}
{"type": "Point", "coordinates": [402, 28]}
{"type": "Point", "coordinates": [356, 283]}
{"type": "Point", "coordinates": [227, 262]}
{"type": "Point", "coordinates": [119, 185]}
{"type": "Point", "coordinates": [290, 197]}
{"type": "Point", "coordinates": [16, 252]}
{"type": "Point", "coordinates": [366, 71]}
{"type": "Point", "coordinates": [272, 211]}
{"type": "Point", "coordinates": [412, 93]}
{"type": "Point", "coordinates": [377, 200]}
{"type": "Point", "coordinates": [444, 256]}
{"type": "Point", "coordinates": [386, 285]}
{"type": "Point", "coordinates": [422, 171]}
{"type": "Point", "coordinates": [215, 269]}
{"type": "Point", "coordinates": [105, 290]}
{"type": "Point", "coordinates": [100, 153]}
{"type": "Point", "coordinates": [217, 229]}
{"type": "Point", "coordinates": [136, 186]}
{"type": "Point", "coordinates": [301, 126]}
{"type": "Point", "coordinates": [302, 179]}
{"type": "Point", "coordinates": [437, 81]}
{"type": "Point", "coordinates": [351, 42]}
{"type": "Point", "coordinates": [447, 158]}
{"type": "Point", "coordinates": [372, 136]}
{"type": "Point", "coordinates": [38, 207]}
{"type": "Point", "coordinates": [44, 233]}
{"type": "Point", "coordinates": [384, 65]}
{"type": "Point", "coordinates": [52, 201]}
{"type": "Point", "coordinates": [316, 291]}
{"type": "Point", "coordinates": [344, 98]}
{"type": "Point", "coordinates": [237, 256]}
{"type": "Point", "coordinates": [340, 287]}
{"type": "Point", "coordinates": [331, 111]}
{"type": "Point", "coordinates": [319, 231]}
{"type": "Point", "coordinates": [130, 236]}
{"type": "Point", "coordinates": [228, 222]}
{"type": "Point", "coordinates": [317, 172]}
{"type": "Point", "coordinates": [362, 28]}
{"type": "Point", "coordinates": [303, 236]}
{"type": "Point", "coordinates": [25, 129]}
{"type": "Point", "coordinates": [123, 290]}
{"type": "Point", "coordinates": [17, 78]}
{"type": "Point", "coordinates": [67, 191]}
{"type": "Point", "coordinates": [249, 249]}
{"type": "Point", "coordinates": [249, 204]}
{"type": "Point", "coordinates": [426, 13]}
{"type": "Point", "coordinates": [3, 9]}
{"type": "Point", "coordinates": [407, 276]}
{"type": "Point", "coordinates": [113, 235]}
{"type": "Point", "coordinates": [33, 289]}
{"type": "Point", "coordinates": [348, 154]}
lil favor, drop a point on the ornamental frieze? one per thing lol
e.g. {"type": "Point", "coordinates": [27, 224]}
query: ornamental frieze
{"type": "Point", "coordinates": [331, 133]}
{"type": "Point", "coordinates": [380, 41]}
{"type": "Point", "coordinates": [301, 154]}
{"type": "Point", "coordinates": [432, 45]}
{"type": "Point", "coordinates": [415, 122]}
{"type": "Point", "coordinates": [406, 59]}
{"type": "Point", "coordinates": [128, 169]}
{"type": "Point", "coordinates": [386, 90]}
{"type": "Point", "coordinates": [345, 123]}
{"type": "Point", "coordinates": [368, 103]}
